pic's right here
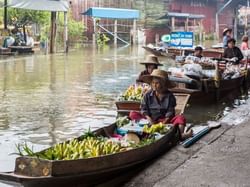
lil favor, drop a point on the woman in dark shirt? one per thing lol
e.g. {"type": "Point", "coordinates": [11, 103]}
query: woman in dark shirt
{"type": "Point", "coordinates": [150, 63]}
{"type": "Point", "coordinates": [158, 104]}
{"type": "Point", "coordinates": [232, 51]}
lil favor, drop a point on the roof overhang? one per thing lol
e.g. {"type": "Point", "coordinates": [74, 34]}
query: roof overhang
{"type": "Point", "coordinates": [112, 13]}
{"type": "Point", "coordinates": [43, 5]}
{"type": "Point", "coordinates": [182, 15]}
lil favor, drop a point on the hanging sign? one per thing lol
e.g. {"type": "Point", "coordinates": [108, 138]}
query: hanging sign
{"type": "Point", "coordinates": [182, 39]}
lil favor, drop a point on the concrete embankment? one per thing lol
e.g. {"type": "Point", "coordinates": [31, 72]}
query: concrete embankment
{"type": "Point", "coordinates": [221, 158]}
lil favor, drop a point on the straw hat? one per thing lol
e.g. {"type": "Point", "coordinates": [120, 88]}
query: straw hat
{"type": "Point", "coordinates": [158, 74]}
{"type": "Point", "coordinates": [225, 30]}
{"type": "Point", "coordinates": [151, 59]}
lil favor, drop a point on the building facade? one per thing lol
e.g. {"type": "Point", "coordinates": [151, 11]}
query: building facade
{"type": "Point", "coordinates": [150, 10]}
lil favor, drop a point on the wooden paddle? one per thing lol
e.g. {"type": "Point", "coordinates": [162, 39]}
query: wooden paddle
{"type": "Point", "coordinates": [211, 125]}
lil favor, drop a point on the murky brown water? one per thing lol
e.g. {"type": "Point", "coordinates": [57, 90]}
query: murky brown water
{"type": "Point", "coordinates": [48, 99]}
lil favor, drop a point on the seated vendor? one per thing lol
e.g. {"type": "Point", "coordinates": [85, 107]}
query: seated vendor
{"type": "Point", "coordinates": [198, 52]}
{"type": "Point", "coordinates": [158, 104]}
{"type": "Point", "coordinates": [150, 63]}
{"type": "Point", "coordinates": [232, 52]}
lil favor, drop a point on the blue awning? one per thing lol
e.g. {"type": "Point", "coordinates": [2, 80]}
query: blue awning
{"type": "Point", "coordinates": [112, 13]}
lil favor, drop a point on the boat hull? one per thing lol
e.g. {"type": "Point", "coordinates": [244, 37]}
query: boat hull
{"type": "Point", "coordinates": [31, 172]}
{"type": "Point", "coordinates": [209, 93]}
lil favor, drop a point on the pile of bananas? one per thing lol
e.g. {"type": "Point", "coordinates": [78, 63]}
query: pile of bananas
{"type": "Point", "coordinates": [156, 128]}
{"type": "Point", "coordinates": [135, 92]}
{"type": "Point", "coordinates": [75, 149]}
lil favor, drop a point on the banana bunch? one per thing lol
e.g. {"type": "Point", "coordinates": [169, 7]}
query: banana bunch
{"type": "Point", "coordinates": [156, 128]}
{"type": "Point", "coordinates": [87, 148]}
{"type": "Point", "coordinates": [135, 92]}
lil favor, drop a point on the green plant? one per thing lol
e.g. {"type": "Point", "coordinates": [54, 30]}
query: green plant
{"type": "Point", "coordinates": [102, 39]}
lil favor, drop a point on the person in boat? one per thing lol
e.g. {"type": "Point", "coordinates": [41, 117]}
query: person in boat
{"type": "Point", "coordinates": [232, 52]}
{"type": "Point", "coordinates": [150, 63]}
{"type": "Point", "coordinates": [198, 51]}
{"type": "Point", "coordinates": [227, 34]}
{"type": "Point", "coordinates": [244, 45]}
{"type": "Point", "coordinates": [158, 104]}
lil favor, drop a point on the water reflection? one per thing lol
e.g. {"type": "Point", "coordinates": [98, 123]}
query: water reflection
{"type": "Point", "coordinates": [48, 99]}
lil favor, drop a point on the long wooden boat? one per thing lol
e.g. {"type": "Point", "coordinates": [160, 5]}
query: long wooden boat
{"type": "Point", "coordinates": [124, 107]}
{"type": "Point", "coordinates": [208, 90]}
{"type": "Point", "coordinates": [21, 49]}
{"type": "Point", "coordinates": [159, 53]}
{"type": "Point", "coordinates": [172, 52]}
{"type": "Point", "coordinates": [31, 171]}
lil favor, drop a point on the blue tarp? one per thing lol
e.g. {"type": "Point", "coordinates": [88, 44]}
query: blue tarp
{"type": "Point", "coordinates": [112, 13]}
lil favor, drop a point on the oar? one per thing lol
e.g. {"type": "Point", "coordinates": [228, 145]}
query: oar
{"type": "Point", "coordinates": [197, 136]}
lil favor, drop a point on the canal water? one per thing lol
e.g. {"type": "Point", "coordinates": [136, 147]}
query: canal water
{"type": "Point", "coordinates": [46, 99]}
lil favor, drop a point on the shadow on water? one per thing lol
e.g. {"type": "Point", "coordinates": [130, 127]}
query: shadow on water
{"type": "Point", "coordinates": [48, 99]}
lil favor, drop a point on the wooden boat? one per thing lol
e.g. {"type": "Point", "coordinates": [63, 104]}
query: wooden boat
{"type": "Point", "coordinates": [209, 53]}
{"type": "Point", "coordinates": [31, 171]}
{"type": "Point", "coordinates": [6, 51]}
{"type": "Point", "coordinates": [172, 52]}
{"type": "Point", "coordinates": [124, 107]}
{"type": "Point", "coordinates": [209, 90]}
{"type": "Point", "coordinates": [159, 53]}
{"type": "Point", "coordinates": [21, 49]}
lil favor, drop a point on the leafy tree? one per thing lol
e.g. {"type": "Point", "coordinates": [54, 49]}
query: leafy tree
{"type": "Point", "coordinates": [21, 17]}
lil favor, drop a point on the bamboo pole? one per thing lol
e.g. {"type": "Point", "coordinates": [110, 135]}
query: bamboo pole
{"type": "Point", "coordinates": [66, 47]}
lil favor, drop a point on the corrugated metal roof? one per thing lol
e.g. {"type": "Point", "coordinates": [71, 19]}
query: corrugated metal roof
{"type": "Point", "coordinates": [182, 15]}
{"type": "Point", "coordinates": [45, 5]}
{"type": "Point", "coordinates": [112, 13]}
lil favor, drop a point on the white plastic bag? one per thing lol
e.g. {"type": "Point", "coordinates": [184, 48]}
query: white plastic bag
{"type": "Point", "coordinates": [193, 70]}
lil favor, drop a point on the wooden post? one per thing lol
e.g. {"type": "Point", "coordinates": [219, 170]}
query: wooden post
{"type": "Point", "coordinates": [173, 23]}
{"type": "Point", "coordinates": [217, 29]}
{"type": "Point", "coordinates": [235, 25]}
{"type": "Point", "coordinates": [5, 14]}
{"type": "Point", "coordinates": [53, 32]}
{"type": "Point", "coordinates": [66, 47]}
{"type": "Point", "coordinates": [94, 33]}
{"type": "Point", "coordinates": [246, 21]}
{"type": "Point", "coordinates": [200, 30]}
{"type": "Point", "coordinates": [115, 32]}
{"type": "Point", "coordinates": [24, 34]}
{"type": "Point", "coordinates": [134, 31]}
{"type": "Point", "coordinates": [217, 82]}
{"type": "Point", "coordinates": [186, 25]}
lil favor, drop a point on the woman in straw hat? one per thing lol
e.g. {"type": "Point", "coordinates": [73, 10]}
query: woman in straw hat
{"type": "Point", "coordinates": [158, 104]}
{"type": "Point", "coordinates": [150, 63]}
{"type": "Point", "coordinates": [227, 34]}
